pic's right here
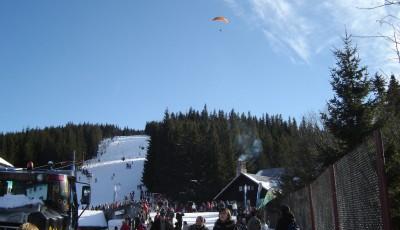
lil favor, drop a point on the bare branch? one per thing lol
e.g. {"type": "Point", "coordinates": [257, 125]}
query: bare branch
{"type": "Point", "coordinates": [376, 36]}
{"type": "Point", "coordinates": [397, 45]}
{"type": "Point", "coordinates": [389, 16]}
{"type": "Point", "coordinates": [389, 20]}
{"type": "Point", "coordinates": [387, 3]}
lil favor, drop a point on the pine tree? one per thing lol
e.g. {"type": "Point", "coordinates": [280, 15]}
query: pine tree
{"type": "Point", "coordinates": [393, 95]}
{"type": "Point", "coordinates": [350, 111]}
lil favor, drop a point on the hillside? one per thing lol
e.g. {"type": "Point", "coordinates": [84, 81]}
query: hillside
{"type": "Point", "coordinates": [57, 143]}
{"type": "Point", "coordinates": [118, 167]}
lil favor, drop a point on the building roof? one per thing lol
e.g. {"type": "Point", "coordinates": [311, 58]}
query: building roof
{"type": "Point", "coordinates": [266, 182]}
{"type": "Point", "coordinates": [275, 173]}
{"type": "Point", "coordinates": [4, 163]}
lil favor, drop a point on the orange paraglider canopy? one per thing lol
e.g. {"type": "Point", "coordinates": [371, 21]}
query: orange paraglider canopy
{"type": "Point", "coordinates": [221, 19]}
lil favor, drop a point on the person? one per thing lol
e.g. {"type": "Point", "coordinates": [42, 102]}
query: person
{"type": "Point", "coordinates": [29, 226]}
{"type": "Point", "coordinates": [241, 223]}
{"type": "Point", "coordinates": [170, 214]}
{"type": "Point", "coordinates": [286, 220]}
{"type": "Point", "coordinates": [179, 219]}
{"type": "Point", "coordinates": [141, 226]}
{"type": "Point", "coordinates": [224, 221]}
{"type": "Point", "coordinates": [162, 223]}
{"type": "Point", "coordinates": [199, 225]}
{"type": "Point", "coordinates": [234, 208]}
{"type": "Point", "coordinates": [125, 226]}
{"type": "Point", "coordinates": [185, 226]}
{"type": "Point", "coordinates": [254, 222]}
{"type": "Point", "coordinates": [136, 221]}
{"type": "Point", "coordinates": [221, 205]}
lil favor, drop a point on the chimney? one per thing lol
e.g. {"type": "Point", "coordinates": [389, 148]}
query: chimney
{"type": "Point", "coordinates": [241, 167]}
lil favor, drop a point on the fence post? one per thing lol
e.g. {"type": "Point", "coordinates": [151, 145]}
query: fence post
{"type": "Point", "coordinates": [383, 196]}
{"type": "Point", "coordinates": [332, 171]}
{"type": "Point", "coordinates": [311, 207]}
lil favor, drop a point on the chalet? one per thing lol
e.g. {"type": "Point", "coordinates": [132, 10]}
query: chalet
{"type": "Point", "coordinates": [247, 186]}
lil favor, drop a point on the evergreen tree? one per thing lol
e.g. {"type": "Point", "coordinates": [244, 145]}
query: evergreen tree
{"type": "Point", "coordinates": [350, 111]}
{"type": "Point", "coordinates": [393, 95]}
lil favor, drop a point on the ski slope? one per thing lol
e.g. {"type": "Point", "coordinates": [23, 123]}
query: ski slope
{"type": "Point", "coordinates": [111, 179]}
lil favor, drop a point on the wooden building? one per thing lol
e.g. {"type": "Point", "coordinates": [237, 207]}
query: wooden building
{"type": "Point", "coordinates": [247, 184]}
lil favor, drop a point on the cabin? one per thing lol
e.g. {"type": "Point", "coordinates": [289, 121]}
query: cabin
{"type": "Point", "coordinates": [250, 187]}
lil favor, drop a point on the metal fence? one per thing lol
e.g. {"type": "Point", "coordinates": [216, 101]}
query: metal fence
{"type": "Point", "coordinates": [351, 194]}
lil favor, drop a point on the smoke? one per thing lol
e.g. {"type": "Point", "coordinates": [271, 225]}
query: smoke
{"type": "Point", "coordinates": [250, 147]}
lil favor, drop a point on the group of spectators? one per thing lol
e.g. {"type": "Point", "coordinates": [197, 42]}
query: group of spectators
{"type": "Point", "coordinates": [190, 206]}
{"type": "Point", "coordinates": [165, 215]}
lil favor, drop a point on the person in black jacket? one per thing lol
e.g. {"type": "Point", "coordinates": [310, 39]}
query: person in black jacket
{"type": "Point", "coordinates": [224, 221]}
{"type": "Point", "coordinates": [162, 222]}
{"type": "Point", "coordinates": [199, 225]}
{"type": "Point", "coordinates": [179, 219]}
{"type": "Point", "coordinates": [286, 221]}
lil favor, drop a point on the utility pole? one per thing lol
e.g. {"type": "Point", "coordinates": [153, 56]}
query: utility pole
{"type": "Point", "coordinates": [73, 164]}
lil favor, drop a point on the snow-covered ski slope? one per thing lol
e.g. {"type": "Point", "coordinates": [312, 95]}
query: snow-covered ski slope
{"type": "Point", "coordinates": [110, 172]}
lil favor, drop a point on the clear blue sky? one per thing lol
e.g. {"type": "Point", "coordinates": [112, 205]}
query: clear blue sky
{"type": "Point", "coordinates": [124, 62]}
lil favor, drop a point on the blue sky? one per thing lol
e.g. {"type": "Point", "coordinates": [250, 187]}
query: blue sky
{"type": "Point", "coordinates": [124, 62]}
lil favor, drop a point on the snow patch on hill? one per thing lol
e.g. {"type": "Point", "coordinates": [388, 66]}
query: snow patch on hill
{"type": "Point", "coordinates": [117, 170]}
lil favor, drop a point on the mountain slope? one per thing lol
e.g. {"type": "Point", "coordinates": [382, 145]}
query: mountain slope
{"type": "Point", "coordinates": [117, 169]}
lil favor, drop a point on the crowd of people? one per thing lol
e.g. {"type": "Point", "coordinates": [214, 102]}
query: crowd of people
{"type": "Point", "coordinates": [166, 211]}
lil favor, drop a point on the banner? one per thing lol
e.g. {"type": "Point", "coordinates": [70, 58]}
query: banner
{"type": "Point", "coordinates": [268, 197]}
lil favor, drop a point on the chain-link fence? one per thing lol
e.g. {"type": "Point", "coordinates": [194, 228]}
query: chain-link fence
{"type": "Point", "coordinates": [300, 205]}
{"type": "Point", "coordinates": [348, 195]}
{"type": "Point", "coordinates": [321, 195]}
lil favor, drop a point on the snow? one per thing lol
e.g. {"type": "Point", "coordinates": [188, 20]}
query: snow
{"type": "Point", "coordinates": [110, 176]}
{"type": "Point", "coordinates": [92, 218]}
{"type": "Point", "coordinates": [13, 201]}
{"type": "Point", "coordinates": [5, 163]}
{"type": "Point", "coordinates": [114, 223]}
{"type": "Point", "coordinates": [122, 146]}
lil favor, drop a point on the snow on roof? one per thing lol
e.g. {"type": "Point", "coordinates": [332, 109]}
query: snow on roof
{"type": "Point", "coordinates": [272, 172]}
{"type": "Point", "coordinates": [92, 218]}
{"type": "Point", "coordinates": [266, 182]}
{"type": "Point", "coordinates": [13, 201]}
{"type": "Point", "coordinates": [5, 163]}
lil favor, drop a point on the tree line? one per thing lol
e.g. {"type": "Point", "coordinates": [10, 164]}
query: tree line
{"type": "Point", "coordinates": [57, 143]}
{"type": "Point", "coordinates": [197, 152]}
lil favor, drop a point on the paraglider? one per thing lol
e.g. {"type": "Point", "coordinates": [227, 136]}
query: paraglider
{"type": "Point", "coordinates": [220, 19]}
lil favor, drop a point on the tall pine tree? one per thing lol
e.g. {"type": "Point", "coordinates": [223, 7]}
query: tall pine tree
{"type": "Point", "coordinates": [350, 111]}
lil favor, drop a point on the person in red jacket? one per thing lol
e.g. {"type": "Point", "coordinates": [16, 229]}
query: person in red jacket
{"type": "Point", "coordinates": [125, 226]}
